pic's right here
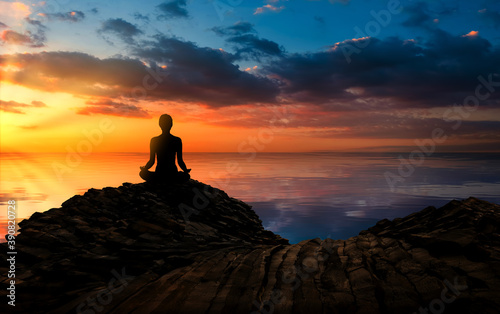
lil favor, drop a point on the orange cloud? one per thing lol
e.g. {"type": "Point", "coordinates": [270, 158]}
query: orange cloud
{"type": "Point", "coordinates": [218, 83]}
{"type": "Point", "coordinates": [76, 73]}
{"type": "Point", "coordinates": [14, 38]}
{"type": "Point", "coordinates": [16, 10]}
{"type": "Point", "coordinates": [13, 106]}
{"type": "Point", "coordinates": [112, 108]}
{"type": "Point", "coordinates": [471, 34]}
{"type": "Point", "coordinates": [21, 7]}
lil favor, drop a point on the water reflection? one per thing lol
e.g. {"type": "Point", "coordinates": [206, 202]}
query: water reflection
{"type": "Point", "coordinates": [298, 196]}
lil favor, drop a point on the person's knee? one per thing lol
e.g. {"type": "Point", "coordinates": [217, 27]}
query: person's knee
{"type": "Point", "coordinates": [143, 174]}
{"type": "Point", "coordinates": [147, 175]}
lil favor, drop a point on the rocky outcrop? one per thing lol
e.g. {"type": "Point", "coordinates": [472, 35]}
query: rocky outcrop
{"type": "Point", "coordinates": [189, 248]}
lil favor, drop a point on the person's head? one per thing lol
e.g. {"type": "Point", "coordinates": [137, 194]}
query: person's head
{"type": "Point", "coordinates": [166, 122]}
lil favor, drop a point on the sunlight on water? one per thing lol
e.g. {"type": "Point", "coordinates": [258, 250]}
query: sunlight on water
{"type": "Point", "coordinates": [298, 196]}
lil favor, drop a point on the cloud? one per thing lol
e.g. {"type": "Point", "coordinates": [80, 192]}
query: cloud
{"type": "Point", "coordinates": [16, 10]}
{"type": "Point", "coordinates": [173, 9]}
{"type": "Point", "coordinates": [401, 73]}
{"type": "Point", "coordinates": [28, 39]}
{"type": "Point", "coordinates": [37, 103]}
{"type": "Point", "coordinates": [268, 8]}
{"type": "Point", "coordinates": [71, 16]}
{"type": "Point", "coordinates": [121, 28]}
{"type": "Point", "coordinates": [14, 38]}
{"type": "Point", "coordinates": [192, 74]}
{"type": "Point", "coordinates": [237, 29]}
{"type": "Point", "coordinates": [21, 194]}
{"type": "Point", "coordinates": [247, 44]}
{"type": "Point", "coordinates": [387, 124]}
{"type": "Point", "coordinates": [321, 21]}
{"type": "Point", "coordinates": [205, 75]}
{"type": "Point", "coordinates": [29, 127]}
{"type": "Point", "coordinates": [419, 15]}
{"type": "Point", "coordinates": [141, 17]}
{"type": "Point", "coordinates": [255, 47]}
{"type": "Point", "coordinates": [471, 34]}
{"type": "Point", "coordinates": [426, 14]}
{"type": "Point", "coordinates": [14, 106]}
{"type": "Point", "coordinates": [33, 37]}
{"type": "Point", "coordinates": [386, 78]}
{"type": "Point", "coordinates": [73, 72]}
{"type": "Point", "coordinates": [492, 17]}
{"type": "Point", "coordinates": [109, 107]}
{"type": "Point", "coordinates": [373, 123]}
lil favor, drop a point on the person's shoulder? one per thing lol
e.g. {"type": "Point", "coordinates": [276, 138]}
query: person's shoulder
{"type": "Point", "coordinates": [176, 138]}
{"type": "Point", "coordinates": [155, 139]}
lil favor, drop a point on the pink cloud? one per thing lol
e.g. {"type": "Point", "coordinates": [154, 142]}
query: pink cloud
{"type": "Point", "coordinates": [267, 8]}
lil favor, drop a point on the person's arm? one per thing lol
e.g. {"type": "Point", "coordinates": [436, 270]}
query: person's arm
{"type": "Point", "coordinates": [180, 161]}
{"type": "Point", "coordinates": [152, 153]}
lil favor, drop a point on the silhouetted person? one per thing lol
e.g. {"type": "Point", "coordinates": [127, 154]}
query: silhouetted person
{"type": "Point", "coordinates": [164, 148]}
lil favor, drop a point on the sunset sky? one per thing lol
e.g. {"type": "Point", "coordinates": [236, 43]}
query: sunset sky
{"type": "Point", "coordinates": [241, 75]}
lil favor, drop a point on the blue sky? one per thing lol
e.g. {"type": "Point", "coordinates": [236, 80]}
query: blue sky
{"type": "Point", "coordinates": [297, 25]}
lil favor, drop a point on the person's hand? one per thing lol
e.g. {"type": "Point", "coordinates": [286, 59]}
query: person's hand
{"type": "Point", "coordinates": [142, 167]}
{"type": "Point", "coordinates": [187, 171]}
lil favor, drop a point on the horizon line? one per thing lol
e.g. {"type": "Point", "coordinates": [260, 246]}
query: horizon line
{"type": "Point", "coordinates": [266, 152]}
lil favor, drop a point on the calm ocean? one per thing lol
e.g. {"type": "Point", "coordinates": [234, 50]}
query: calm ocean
{"type": "Point", "coordinates": [297, 195]}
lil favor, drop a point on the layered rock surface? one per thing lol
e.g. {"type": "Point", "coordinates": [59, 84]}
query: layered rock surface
{"type": "Point", "coordinates": [190, 248]}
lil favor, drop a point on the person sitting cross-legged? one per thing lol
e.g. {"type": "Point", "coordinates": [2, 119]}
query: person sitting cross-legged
{"type": "Point", "coordinates": [164, 148]}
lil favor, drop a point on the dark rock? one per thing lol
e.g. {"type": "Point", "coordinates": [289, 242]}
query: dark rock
{"type": "Point", "coordinates": [190, 248]}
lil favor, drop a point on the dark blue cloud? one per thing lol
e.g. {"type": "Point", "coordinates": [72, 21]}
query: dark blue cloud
{"type": "Point", "coordinates": [173, 9]}
{"type": "Point", "coordinates": [437, 72]}
{"type": "Point", "coordinates": [121, 28]}
{"type": "Point", "coordinates": [423, 13]}
{"type": "Point", "coordinates": [246, 43]}
{"type": "Point", "coordinates": [34, 35]}
{"type": "Point", "coordinates": [321, 21]}
{"type": "Point", "coordinates": [141, 17]}
{"type": "Point", "coordinates": [204, 74]}
{"type": "Point", "coordinates": [490, 16]}
{"type": "Point", "coordinates": [419, 15]}
{"type": "Point", "coordinates": [71, 16]}
{"type": "Point", "coordinates": [236, 29]}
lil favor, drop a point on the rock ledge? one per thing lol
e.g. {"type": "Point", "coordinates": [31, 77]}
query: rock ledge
{"type": "Point", "coordinates": [190, 248]}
